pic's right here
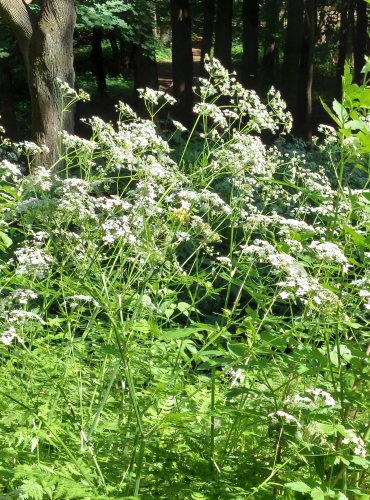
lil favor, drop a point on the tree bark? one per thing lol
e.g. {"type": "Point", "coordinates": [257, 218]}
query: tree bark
{"type": "Point", "coordinates": [361, 41]}
{"type": "Point", "coordinates": [303, 118]}
{"type": "Point", "coordinates": [115, 70]}
{"type": "Point", "coordinates": [271, 49]}
{"type": "Point", "coordinates": [343, 45]}
{"type": "Point", "coordinates": [224, 32]}
{"type": "Point", "coordinates": [46, 43]}
{"type": "Point", "coordinates": [292, 52]}
{"type": "Point", "coordinates": [208, 29]}
{"type": "Point", "coordinates": [182, 59]}
{"type": "Point", "coordinates": [250, 41]}
{"type": "Point", "coordinates": [7, 104]}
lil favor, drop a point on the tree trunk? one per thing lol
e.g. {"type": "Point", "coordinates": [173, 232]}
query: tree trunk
{"type": "Point", "coordinates": [154, 19]}
{"type": "Point", "coordinates": [292, 52]}
{"type": "Point", "coordinates": [224, 32]}
{"type": "Point", "coordinates": [343, 45]}
{"type": "Point", "coordinates": [115, 69]}
{"type": "Point", "coordinates": [7, 105]}
{"type": "Point", "coordinates": [250, 41]}
{"type": "Point", "coordinates": [361, 40]}
{"type": "Point", "coordinates": [98, 60]}
{"type": "Point", "coordinates": [208, 29]}
{"type": "Point", "coordinates": [46, 43]}
{"type": "Point", "coordinates": [303, 118]}
{"type": "Point", "coordinates": [182, 59]}
{"type": "Point", "coordinates": [271, 49]}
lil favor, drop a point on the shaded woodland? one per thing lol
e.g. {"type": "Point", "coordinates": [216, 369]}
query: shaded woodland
{"type": "Point", "coordinates": [298, 46]}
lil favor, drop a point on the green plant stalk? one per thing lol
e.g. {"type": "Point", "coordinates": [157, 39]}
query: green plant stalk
{"type": "Point", "coordinates": [139, 466]}
{"type": "Point", "coordinates": [212, 426]}
{"type": "Point", "coordinates": [103, 401]}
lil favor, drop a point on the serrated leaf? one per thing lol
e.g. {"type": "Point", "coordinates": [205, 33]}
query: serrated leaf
{"type": "Point", "coordinates": [32, 490]}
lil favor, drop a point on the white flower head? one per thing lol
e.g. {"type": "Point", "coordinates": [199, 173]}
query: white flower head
{"type": "Point", "coordinates": [10, 335]}
{"type": "Point", "coordinates": [289, 419]}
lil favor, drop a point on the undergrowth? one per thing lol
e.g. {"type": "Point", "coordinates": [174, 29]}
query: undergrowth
{"type": "Point", "coordinates": [185, 314]}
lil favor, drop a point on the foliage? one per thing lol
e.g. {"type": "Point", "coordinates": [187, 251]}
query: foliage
{"type": "Point", "coordinates": [131, 18]}
{"type": "Point", "coordinates": [185, 314]}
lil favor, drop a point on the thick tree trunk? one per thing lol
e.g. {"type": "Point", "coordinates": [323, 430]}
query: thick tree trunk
{"type": "Point", "coordinates": [143, 61]}
{"type": "Point", "coordinates": [98, 60]}
{"type": "Point", "coordinates": [7, 104]}
{"type": "Point", "coordinates": [46, 43]}
{"type": "Point", "coordinates": [292, 52]}
{"type": "Point", "coordinates": [303, 121]}
{"type": "Point", "coordinates": [182, 59]}
{"type": "Point", "coordinates": [343, 44]}
{"type": "Point", "coordinates": [115, 69]}
{"type": "Point", "coordinates": [271, 49]}
{"type": "Point", "coordinates": [361, 41]}
{"type": "Point", "coordinates": [250, 41]}
{"type": "Point", "coordinates": [208, 28]}
{"type": "Point", "coordinates": [50, 60]}
{"type": "Point", "coordinates": [224, 32]}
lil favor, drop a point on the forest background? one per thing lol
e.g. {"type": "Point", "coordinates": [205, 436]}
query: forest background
{"type": "Point", "coordinates": [300, 47]}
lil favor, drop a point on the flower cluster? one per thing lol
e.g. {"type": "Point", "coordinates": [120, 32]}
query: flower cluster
{"type": "Point", "coordinates": [8, 336]}
{"type": "Point", "coordinates": [155, 96]}
{"type": "Point", "coordinates": [355, 442]}
{"type": "Point", "coordinates": [32, 258]}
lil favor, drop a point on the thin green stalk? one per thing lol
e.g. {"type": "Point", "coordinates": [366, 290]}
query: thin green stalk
{"type": "Point", "coordinates": [139, 466]}
{"type": "Point", "coordinates": [212, 426]}
{"type": "Point", "coordinates": [103, 401]}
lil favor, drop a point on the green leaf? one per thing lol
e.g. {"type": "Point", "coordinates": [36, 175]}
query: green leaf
{"type": "Point", "coordinates": [179, 333]}
{"type": "Point", "coordinates": [355, 125]}
{"type": "Point", "coordinates": [340, 111]}
{"type": "Point", "coordinates": [361, 461]}
{"type": "Point", "coordinates": [6, 240]}
{"type": "Point", "coordinates": [357, 237]}
{"type": "Point", "coordinates": [366, 68]}
{"type": "Point", "coordinates": [317, 494]}
{"type": "Point", "coordinates": [238, 349]}
{"type": "Point", "coordinates": [184, 308]}
{"type": "Point", "coordinates": [327, 429]}
{"type": "Point", "coordinates": [342, 496]}
{"type": "Point", "coordinates": [331, 114]}
{"type": "Point", "coordinates": [31, 489]}
{"type": "Point", "coordinates": [299, 486]}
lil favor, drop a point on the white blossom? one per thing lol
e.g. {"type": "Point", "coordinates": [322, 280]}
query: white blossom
{"type": "Point", "coordinates": [8, 336]}
{"type": "Point", "coordinates": [285, 416]}
{"type": "Point", "coordinates": [32, 258]}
